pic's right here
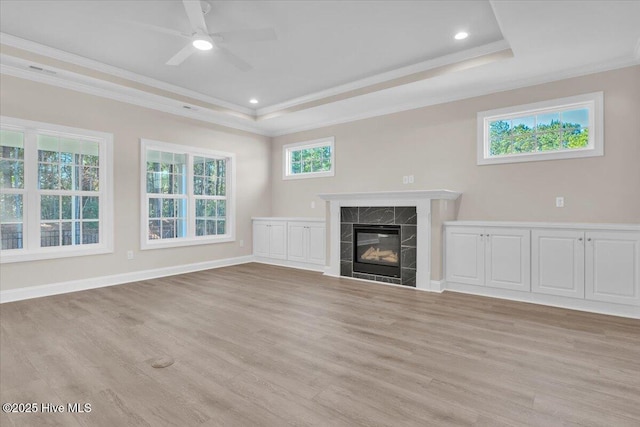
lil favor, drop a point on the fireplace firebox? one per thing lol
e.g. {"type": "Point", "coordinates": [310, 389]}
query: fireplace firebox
{"type": "Point", "coordinates": [376, 249]}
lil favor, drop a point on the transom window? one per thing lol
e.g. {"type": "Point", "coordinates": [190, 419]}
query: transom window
{"type": "Point", "coordinates": [55, 197]}
{"type": "Point", "coordinates": [557, 129]}
{"type": "Point", "coordinates": [309, 159]}
{"type": "Point", "coordinates": [188, 195]}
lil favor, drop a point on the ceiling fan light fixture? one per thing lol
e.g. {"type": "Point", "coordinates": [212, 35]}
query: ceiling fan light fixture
{"type": "Point", "coordinates": [202, 43]}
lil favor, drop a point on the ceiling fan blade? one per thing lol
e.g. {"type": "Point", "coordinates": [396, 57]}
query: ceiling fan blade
{"type": "Point", "coordinates": [195, 15]}
{"type": "Point", "coordinates": [183, 54]}
{"type": "Point", "coordinates": [263, 34]}
{"type": "Point", "coordinates": [230, 57]}
{"type": "Point", "coordinates": [158, 29]}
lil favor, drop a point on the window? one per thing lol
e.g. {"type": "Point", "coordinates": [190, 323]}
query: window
{"type": "Point", "coordinates": [557, 129]}
{"type": "Point", "coordinates": [187, 195]}
{"type": "Point", "coordinates": [310, 159]}
{"type": "Point", "coordinates": [55, 191]}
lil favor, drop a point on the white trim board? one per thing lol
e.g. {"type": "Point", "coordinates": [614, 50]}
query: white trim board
{"type": "Point", "coordinates": [116, 279]}
{"type": "Point", "coordinates": [599, 307]}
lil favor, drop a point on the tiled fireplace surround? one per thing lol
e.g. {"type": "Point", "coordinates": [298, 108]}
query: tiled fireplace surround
{"type": "Point", "coordinates": [389, 207]}
{"type": "Point", "coordinates": [404, 216]}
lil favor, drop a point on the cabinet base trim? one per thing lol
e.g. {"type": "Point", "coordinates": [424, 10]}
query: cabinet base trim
{"type": "Point", "coordinates": [599, 307]}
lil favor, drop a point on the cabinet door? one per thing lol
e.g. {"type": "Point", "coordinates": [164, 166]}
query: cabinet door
{"type": "Point", "coordinates": [261, 238]}
{"type": "Point", "coordinates": [613, 267]}
{"type": "Point", "coordinates": [297, 241]}
{"type": "Point", "coordinates": [508, 258]}
{"type": "Point", "coordinates": [557, 262]}
{"type": "Point", "coordinates": [465, 255]}
{"type": "Point", "coordinates": [278, 240]}
{"type": "Point", "coordinates": [316, 246]}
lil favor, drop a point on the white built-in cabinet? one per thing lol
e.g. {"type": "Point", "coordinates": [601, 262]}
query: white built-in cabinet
{"type": "Point", "coordinates": [290, 241]}
{"type": "Point", "coordinates": [270, 239]}
{"type": "Point", "coordinates": [306, 242]}
{"type": "Point", "coordinates": [488, 256]}
{"type": "Point", "coordinates": [595, 264]}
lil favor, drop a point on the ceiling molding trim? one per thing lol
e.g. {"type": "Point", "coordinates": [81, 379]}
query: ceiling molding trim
{"type": "Point", "coordinates": [466, 94]}
{"type": "Point", "coordinates": [18, 67]}
{"type": "Point", "coordinates": [40, 49]}
{"type": "Point", "coordinates": [398, 73]}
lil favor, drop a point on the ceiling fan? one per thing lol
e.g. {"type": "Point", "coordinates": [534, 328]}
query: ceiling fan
{"type": "Point", "coordinates": [201, 39]}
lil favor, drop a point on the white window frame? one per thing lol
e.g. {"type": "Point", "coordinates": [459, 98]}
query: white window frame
{"type": "Point", "coordinates": [592, 101]}
{"type": "Point", "coordinates": [31, 250]}
{"type": "Point", "coordinates": [288, 149]}
{"type": "Point", "coordinates": [191, 239]}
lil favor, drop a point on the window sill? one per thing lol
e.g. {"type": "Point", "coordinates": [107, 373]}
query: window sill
{"type": "Point", "coordinates": [310, 175]}
{"type": "Point", "coordinates": [536, 157]}
{"type": "Point", "coordinates": [176, 243]}
{"type": "Point", "coordinates": [21, 255]}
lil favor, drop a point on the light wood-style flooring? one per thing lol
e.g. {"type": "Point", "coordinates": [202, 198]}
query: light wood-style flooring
{"type": "Point", "coordinates": [262, 345]}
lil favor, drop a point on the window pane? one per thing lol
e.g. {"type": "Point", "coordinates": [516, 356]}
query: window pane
{"type": "Point", "coordinates": [90, 208]}
{"type": "Point", "coordinates": [577, 138]}
{"type": "Point", "coordinates": [222, 208]}
{"type": "Point", "coordinates": [211, 228]}
{"type": "Point", "coordinates": [50, 234]}
{"type": "Point", "coordinates": [198, 166]}
{"type": "Point", "coordinates": [296, 167]}
{"type": "Point", "coordinates": [221, 227]}
{"type": "Point", "coordinates": [211, 208]}
{"type": "Point", "coordinates": [11, 235]}
{"type": "Point", "coordinates": [296, 156]}
{"type": "Point", "coordinates": [155, 208]}
{"type": "Point", "coordinates": [12, 144]}
{"type": "Point", "coordinates": [154, 229]}
{"type": "Point", "coordinates": [548, 121]}
{"type": "Point", "coordinates": [11, 173]}
{"type": "Point", "coordinates": [200, 207]}
{"type": "Point", "coordinates": [575, 118]}
{"type": "Point", "coordinates": [48, 177]}
{"type": "Point", "coordinates": [200, 227]}
{"type": "Point", "coordinates": [168, 228]}
{"type": "Point", "coordinates": [168, 209]}
{"type": "Point", "coordinates": [549, 141]}
{"type": "Point", "coordinates": [90, 179]}
{"type": "Point", "coordinates": [50, 207]}
{"type": "Point", "coordinates": [10, 208]}
{"type": "Point", "coordinates": [67, 236]}
{"type": "Point", "coordinates": [69, 206]}
{"type": "Point", "coordinates": [90, 232]}
{"type": "Point", "coordinates": [67, 178]}
{"type": "Point", "coordinates": [523, 140]}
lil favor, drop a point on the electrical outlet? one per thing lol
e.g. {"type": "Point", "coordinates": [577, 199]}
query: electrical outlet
{"type": "Point", "coordinates": [241, 242]}
{"type": "Point", "coordinates": [559, 202]}
{"type": "Point", "coordinates": [129, 255]}
{"type": "Point", "coordinates": [405, 179]}
{"type": "Point", "coordinates": [313, 204]}
{"type": "Point", "coordinates": [410, 179]}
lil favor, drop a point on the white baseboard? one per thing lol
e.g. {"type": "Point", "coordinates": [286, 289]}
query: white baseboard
{"type": "Point", "coordinates": [287, 263]}
{"type": "Point", "coordinates": [550, 300]}
{"type": "Point", "coordinates": [116, 279]}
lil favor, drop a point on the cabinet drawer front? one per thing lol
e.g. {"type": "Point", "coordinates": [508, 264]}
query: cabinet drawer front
{"type": "Point", "coordinates": [557, 262]}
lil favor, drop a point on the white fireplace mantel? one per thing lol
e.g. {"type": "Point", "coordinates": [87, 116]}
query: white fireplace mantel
{"type": "Point", "coordinates": [421, 199]}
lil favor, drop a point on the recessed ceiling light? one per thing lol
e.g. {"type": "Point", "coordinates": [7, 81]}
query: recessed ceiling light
{"type": "Point", "coordinates": [461, 35]}
{"type": "Point", "coordinates": [253, 101]}
{"type": "Point", "coordinates": [202, 44]}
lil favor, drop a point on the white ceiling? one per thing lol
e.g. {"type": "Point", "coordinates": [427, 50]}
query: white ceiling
{"type": "Point", "coordinates": [327, 48]}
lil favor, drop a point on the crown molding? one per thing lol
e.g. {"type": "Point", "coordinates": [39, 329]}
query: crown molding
{"type": "Point", "coordinates": [21, 68]}
{"type": "Point", "coordinates": [466, 94]}
{"type": "Point", "coordinates": [398, 73]}
{"type": "Point", "coordinates": [40, 49]}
